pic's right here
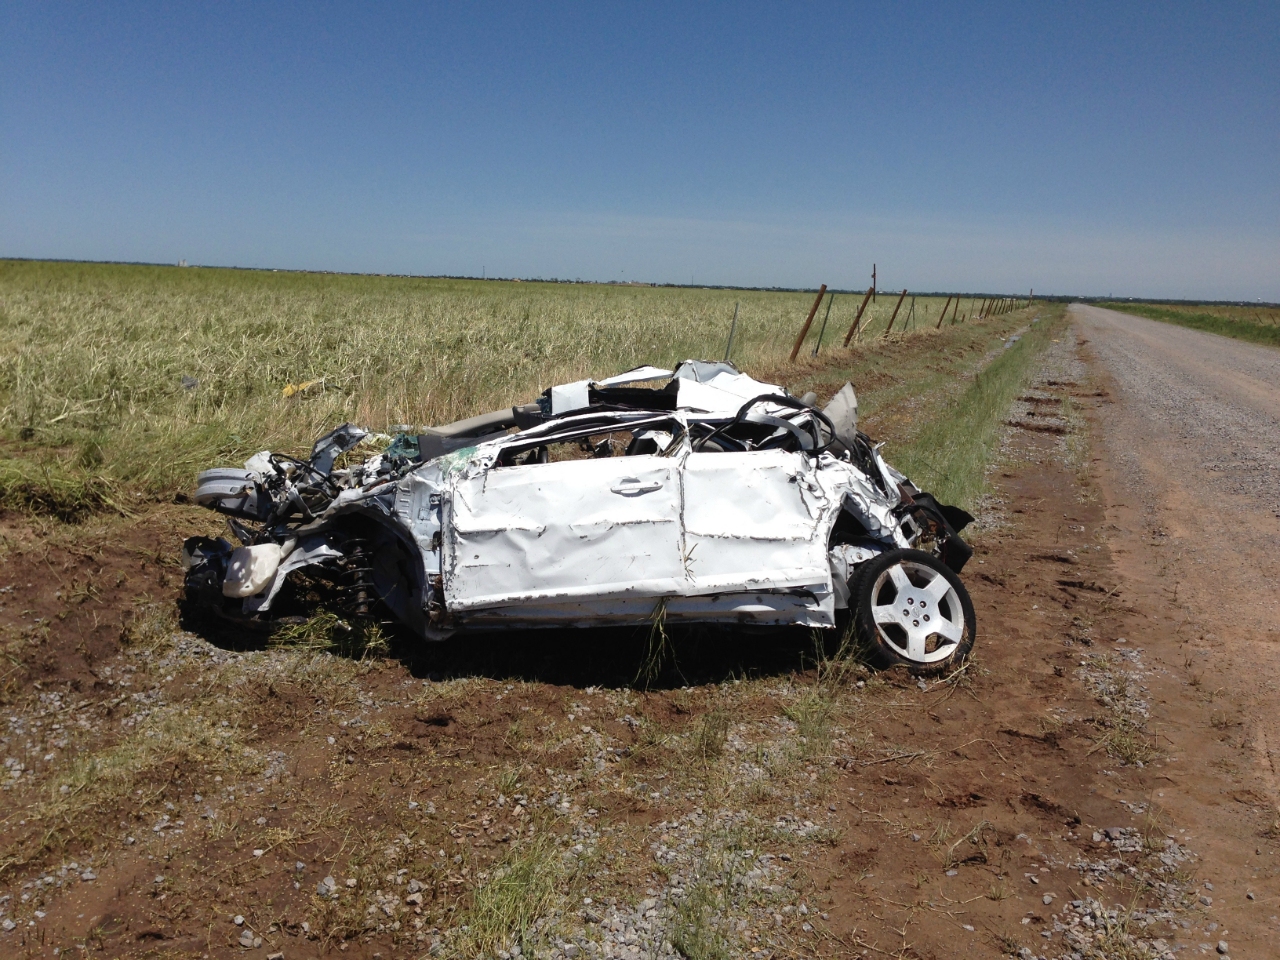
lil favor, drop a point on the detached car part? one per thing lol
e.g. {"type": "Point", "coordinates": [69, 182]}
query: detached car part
{"type": "Point", "coordinates": [697, 494]}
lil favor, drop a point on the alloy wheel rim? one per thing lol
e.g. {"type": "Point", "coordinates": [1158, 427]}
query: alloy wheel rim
{"type": "Point", "coordinates": [917, 612]}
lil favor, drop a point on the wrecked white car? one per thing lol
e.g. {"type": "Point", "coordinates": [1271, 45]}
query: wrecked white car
{"type": "Point", "coordinates": [693, 495]}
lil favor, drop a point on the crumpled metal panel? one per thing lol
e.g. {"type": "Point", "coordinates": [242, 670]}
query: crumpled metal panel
{"type": "Point", "coordinates": [724, 393]}
{"type": "Point", "coordinates": [587, 539]}
{"type": "Point", "coordinates": [569, 396]}
{"type": "Point", "coordinates": [844, 559]}
{"type": "Point", "coordinates": [842, 411]}
{"type": "Point", "coordinates": [579, 528]}
{"type": "Point", "coordinates": [707, 387]}
{"type": "Point", "coordinates": [644, 374]}
{"type": "Point", "coordinates": [858, 495]}
{"type": "Point", "coordinates": [419, 506]}
{"type": "Point", "coordinates": [753, 521]}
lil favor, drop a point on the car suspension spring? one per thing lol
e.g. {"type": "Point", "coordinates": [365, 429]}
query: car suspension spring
{"type": "Point", "coordinates": [361, 587]}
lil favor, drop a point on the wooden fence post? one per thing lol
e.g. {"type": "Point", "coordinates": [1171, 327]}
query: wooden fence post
{"type": "Point", "coordinates": [895, 312]}
{"type": "Point", "coordinates": [955, 311]}
{"type": "Point", "coordinates": [858, 318]}
{"type": "Point", "coordinates": [943, 315]}
{"type": "Point", "coordinates": [808, 322]}
{"type": "Point", "coordinates": [825, 317]}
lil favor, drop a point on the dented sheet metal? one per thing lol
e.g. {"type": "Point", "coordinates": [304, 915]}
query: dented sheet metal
{"type": "Point", "coordinates": [592, 532]}
{"type": "Point", "coordinates": [565, 530]}
{"type": "Point", "coordinates": [699, 494]}
{"type": "Point", "coordinates": [753, 520]}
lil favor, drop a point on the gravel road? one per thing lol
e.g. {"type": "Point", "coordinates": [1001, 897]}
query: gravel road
{"type": "Point", "coordinates": [1190, 466]}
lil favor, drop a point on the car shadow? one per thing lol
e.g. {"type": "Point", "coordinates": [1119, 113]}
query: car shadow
{"type": "Point", "coordinates": [690, 655]}
{"type": "Point", "coordinates": [620, 657]}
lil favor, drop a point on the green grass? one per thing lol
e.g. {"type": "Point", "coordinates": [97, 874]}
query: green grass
{"type": "Point", "coordinates": [1254, 324]}
{"type": "Point", "coordinates": [50, 489]}
{"type": "Point", "coordinates": [523, 888]}
{"type": "Point", "coordinates": [949, 457]}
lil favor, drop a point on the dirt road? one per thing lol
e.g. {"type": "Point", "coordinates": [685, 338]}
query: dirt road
{"type": "Point", "coordinates": [1193, 444]}
{"type": "Point", "coordinates": [1188, 458]}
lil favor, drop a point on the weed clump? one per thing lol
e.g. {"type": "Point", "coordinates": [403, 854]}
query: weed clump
{"type": "Point", "coordinates": [521, 890]}
{"type": "Point", "coordinates": [326, 632]}
{"type": "Point", "coordinates": [707, 743]}
{"type": "Point", "coordinates": [695, 932]}
{"type": "Point", "coordinates": [149, 626]}
{"type": "Point", "coordinates": [65, 493]}
{"type": "Point", "coordinates": [659, 651]}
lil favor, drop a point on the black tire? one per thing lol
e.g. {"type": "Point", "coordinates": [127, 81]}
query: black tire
{"type": "Point", "coordinates": [903, 635]}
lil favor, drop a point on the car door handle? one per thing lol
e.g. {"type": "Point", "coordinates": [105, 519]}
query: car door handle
{"type": "Point", "coordinates": [633, 486]}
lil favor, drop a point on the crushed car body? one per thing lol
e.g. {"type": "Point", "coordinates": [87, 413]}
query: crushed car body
{"type": "Point", "coordinates": [697, 494]}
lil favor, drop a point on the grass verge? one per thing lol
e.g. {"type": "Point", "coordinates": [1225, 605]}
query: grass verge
{"type": "Point", "coordinates": [949, 457]}
{"type": "Point", "coordinates": [1253, 324]}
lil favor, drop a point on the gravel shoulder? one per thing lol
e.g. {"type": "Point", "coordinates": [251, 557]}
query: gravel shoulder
{"type": "Point", "coordinates": [1187, 459]}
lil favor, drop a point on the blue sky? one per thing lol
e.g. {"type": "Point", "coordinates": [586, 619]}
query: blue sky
{"type": "Point", "coordinates": [1127, 149]}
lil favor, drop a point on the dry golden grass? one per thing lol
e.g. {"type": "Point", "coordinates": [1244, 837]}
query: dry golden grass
{"type": "Point", "coordinates": [140, 376]}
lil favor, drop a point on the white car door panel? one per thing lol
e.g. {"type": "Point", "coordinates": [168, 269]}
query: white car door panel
{"type": "Point", "coordinates": [753, 521]}
{"type": "Point", "coordinates": [571, 530]}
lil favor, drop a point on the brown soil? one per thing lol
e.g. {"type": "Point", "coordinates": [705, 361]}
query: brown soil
{"type": "Point", "coordinates": [1019, 749]}
{"type": "Point", "coordinates": [944, 814]}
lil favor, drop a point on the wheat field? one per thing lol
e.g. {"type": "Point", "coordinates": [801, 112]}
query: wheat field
{"type": "Point", "coordinates": [142, 375]}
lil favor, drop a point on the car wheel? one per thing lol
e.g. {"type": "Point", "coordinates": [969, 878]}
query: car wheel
{"type": "Point", "coordinates": [910, 609]}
